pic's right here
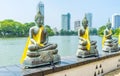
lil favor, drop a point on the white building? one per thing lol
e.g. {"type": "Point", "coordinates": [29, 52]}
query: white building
{"type": "Point", "coordinates": [115, 20]}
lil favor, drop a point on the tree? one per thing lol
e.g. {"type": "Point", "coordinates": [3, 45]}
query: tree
{"type": "Point", "coordinates": [49, 30]}
{"type": "Point", "coordinates": [117, 31]}
{"type": "Point", "coordinates": [63, 32]}
{"type": "Point", "coordinates": [101, 30]}
{"type": "Point", "coordinates": [93, 31]}
{"type": "Point", "coordinates": [26, 28]}
{"type": "Point", "coordinates": [11, 28]}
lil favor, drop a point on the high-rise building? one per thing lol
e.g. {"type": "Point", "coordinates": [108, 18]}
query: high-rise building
{"type": "Point", "coordinates": [89, 18]}
{"type": "Point", "coordinates": [76, 25]}
{"type": "Point", "coordinates": [115, 21]}
{"type": "Point", "coordinates": [40, 7]}
{"type": "Point", "coordinates": [66, 22]}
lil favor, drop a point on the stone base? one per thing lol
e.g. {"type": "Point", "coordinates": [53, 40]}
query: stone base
{"type": "Point", "coordinates": [39, 61]}
{"type": "Point", "coordinates": [85, 54]}
{"type": "Point", "coordinates": [110, 45]}
{"type": "Point", "coordinates": [110, 50]}
{"type": "Point", "coordinates": [34, 62]}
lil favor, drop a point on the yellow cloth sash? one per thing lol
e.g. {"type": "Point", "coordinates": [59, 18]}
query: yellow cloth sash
{"type": "Point", "coordinates": [37, 38]}
{"type": "Point", "coordinates": [104, 38]}
{"type": "Point", "coordinates": [86, 36]}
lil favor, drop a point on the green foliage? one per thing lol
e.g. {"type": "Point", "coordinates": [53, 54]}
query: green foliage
{"type": "Point", "coordinates": [101, 30]}
{"type": "Point", "coordinates": [63, 32]}
{"type": "Point", "coordinates": [49, 30]}
{"type": "Point", "coordinates": [117, 31]}
{"type": "Point", "coordinates": [27, 26]}
{"type": "Point", "coordinates": [11, 28]}
{"type": "Point", "coordinates": [93, 31]}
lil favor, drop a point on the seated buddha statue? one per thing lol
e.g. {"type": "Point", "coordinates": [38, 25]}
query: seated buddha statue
{"type": "Point", "coordinates": [37, 50]}
{"type": "Point", "coordinates": [108, 43]}
{"type": "Point", "coordinates": [38, 36]}
{"type": "Point", "coordinates": [86, 47]}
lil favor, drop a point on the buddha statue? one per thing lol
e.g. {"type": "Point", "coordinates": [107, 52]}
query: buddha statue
{"type": "Point", "coordinates": [108, 43]}
{"type": "Point", "coordinates": [86, 48]}
{"type": "Point", "coordinates": [38, 51]}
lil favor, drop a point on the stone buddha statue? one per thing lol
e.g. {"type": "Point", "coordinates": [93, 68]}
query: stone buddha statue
{"type": "Point", "coordinates": [37, 50]}
{"type": "Point", "coordinates": [86, 47]}
{"type": "Point", "coordinates": [108, 43]}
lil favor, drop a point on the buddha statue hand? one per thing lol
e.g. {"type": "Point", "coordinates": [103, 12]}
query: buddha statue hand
{"type": "Point", "coordinates": [109, 37]}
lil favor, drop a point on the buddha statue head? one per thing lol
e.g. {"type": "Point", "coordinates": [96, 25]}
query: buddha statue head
{"type": "Point", "coordinates": [108, 25]}
{"type": "Point", "coordinates": [85, 22]}
{"type": "Point", "coordinates": [39, 19]}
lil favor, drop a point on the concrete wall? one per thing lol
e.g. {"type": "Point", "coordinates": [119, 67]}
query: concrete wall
{"type": "Point", "coordinates": [96, 68]}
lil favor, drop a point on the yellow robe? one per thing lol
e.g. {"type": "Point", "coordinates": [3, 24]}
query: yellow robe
{"type": "Point", "coordinates": [86, 36]}
{"type": "Point", "coordinates": [104, 38]}
{"type": "Point", "coordinates": [37, 38]}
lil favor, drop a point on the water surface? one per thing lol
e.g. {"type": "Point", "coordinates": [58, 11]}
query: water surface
{"type": "Point", "coordinates": [11, 49]}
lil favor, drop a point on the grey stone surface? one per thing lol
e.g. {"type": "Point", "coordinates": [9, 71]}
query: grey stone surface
{"type": "Point", "coordinates": [66, 63]}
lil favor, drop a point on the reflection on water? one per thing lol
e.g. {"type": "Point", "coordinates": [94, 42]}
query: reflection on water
{"type": "Point", "coordinates": [11, 49]}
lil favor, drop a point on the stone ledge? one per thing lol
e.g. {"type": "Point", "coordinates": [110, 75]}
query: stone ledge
{"type": "Point", "coordinates": [66, 63]}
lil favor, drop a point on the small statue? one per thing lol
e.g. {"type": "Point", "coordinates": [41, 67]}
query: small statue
{"type": "Point", "coordinates": [86, 48]}
{"type": "Point", "coordinates": [38, 50]}
{"type": "Point", "coordinates": [109, 44]}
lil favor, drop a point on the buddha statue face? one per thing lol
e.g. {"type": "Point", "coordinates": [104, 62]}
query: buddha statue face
{"type": "Point", "coordinates": [109, 27]}
{"type": "Point", "coordinates": [39, 22]}
{"type": "Point", "coordinates": [39, 19]}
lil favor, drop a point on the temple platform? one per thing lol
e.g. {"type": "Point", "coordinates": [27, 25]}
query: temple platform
{"type": "Point", "coordinates": [69, 66]}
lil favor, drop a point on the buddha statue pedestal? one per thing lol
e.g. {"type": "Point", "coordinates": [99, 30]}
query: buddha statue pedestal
{"type": "Point", "coordinates": [39, 58]}
{"type": "Point", "coordinates": [110, 45]}
{"type": "Point", "coordinates": [83, 52]}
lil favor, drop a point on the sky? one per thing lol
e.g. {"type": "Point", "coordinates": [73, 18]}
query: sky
{"type": "Point", "coordinates": [25, 10]}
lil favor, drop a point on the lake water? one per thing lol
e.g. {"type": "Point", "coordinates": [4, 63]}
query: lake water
{"type": "Point", "coordinates": [11, 49]}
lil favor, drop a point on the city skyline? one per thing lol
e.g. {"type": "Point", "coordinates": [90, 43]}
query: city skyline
{"type": "Point", "coordinates": [25, 10]}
